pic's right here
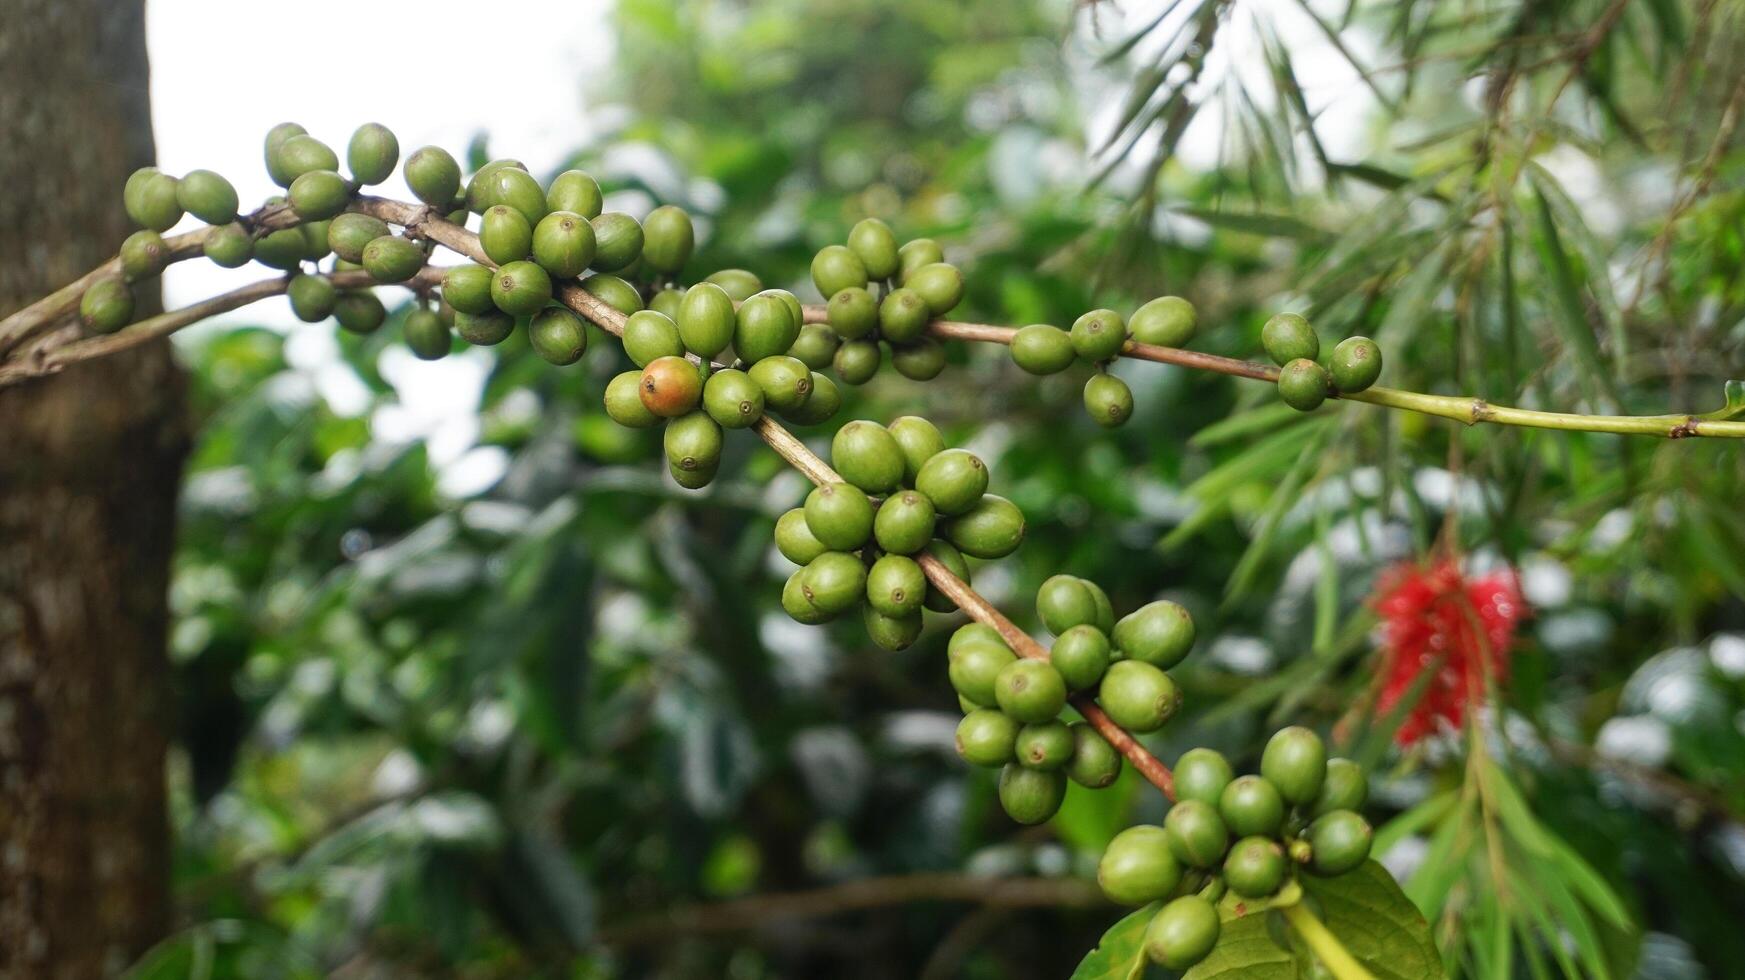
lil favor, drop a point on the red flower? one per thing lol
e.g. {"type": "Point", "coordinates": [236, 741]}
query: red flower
{"type": "Point", "coordinates": [1436, 619]}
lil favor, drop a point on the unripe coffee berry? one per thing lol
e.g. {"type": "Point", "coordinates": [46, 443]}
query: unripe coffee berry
{"type": "Point", "coordinates": [992, 528]}
{"type": "Point", "coordinates": [301, 154]}
{"type": "Point", "coordinates": [856, 361]}
{"type": "Point", "coordinates": [1159, 633]}
{"type": "Point", "coordinates": [1255, 867]}
{"type": "Point", "coordinates": [671, 386]}
{"type": "Point", "coordinates": [835, 268]}
{"type": "Point", "coordinates": [1295, 763]}
{"type": "Point", "coordinates": [649, 335]}
{"type": "Point", "coordinates": [798, 606]}
{"type": "Point", "coordinates": [484, 329]}
{"type": "Point", "coordinates": [624, 406]}
{"type": "Point", "coordinates": [1202, 774]}
{"type": "Point", "coordinates": [391, 258]}
{"type": "Point", "coordinates": [794, 537]}
{"type": "Point", "coordinates": [1043, 349]}
{"type": "Point", "coordinates": [815, 346]}
{"type": "Point", "coordinates": [839, 515]}
{"type": "Point", "coordinates": [904, 523]}
{"type": "Point", "coordinates": [872, 241]}
{"type": "Point", "coordinates": [666, 301]}
{"type": "Point", "coordinates": [1197, 836]}
{"type": "Point", "coordinates": [558, 335]}
{"type": "Point", "coordinates": [939, 285]}
{"type": "Point", "coordinates": [1065, 601]}
{"type": "Point", "coordinates": [349, 233]}
{"type": "Point", "coordinates": [1098, 335]}
{"type": "Point", "coordinates": [618, 238]}
{"type": "Point", "coordinates": [973, 634]}
{"type": "Point", "coordinates": [732, 399]}
{"type": "Point", "coordinates": [1094, 764]}
{"type": "Point", "coordinates": [740, 284]}
{"type": "Point", "coordinates": [107, 306]}
{"type": "Point", "coordinates": [229, 246]}
{"type": "Point", "coordinates": [1287, 337]}
{"type": "Point", "coordinates": [150, 199]}
{"type": "Point", "coordinates": [891, 632]}
{"type": "Point", "coordinates": [954, 480]}
{"type": "Point", "coordinates": [1137, 866]}
{"type": "Point", "coordinates": [1081, 654]}
{"type": "Point", "coordinates": [1105, 612]}
{"type": "Point", "coordinates": [706, 319]}
{"type": "Point", "coordinates": [319, 194]}
{"type": "Point", "coordinates": [1354, 364]}
{"type": "Point", "coordinates": [834, 581]}
{"type": "Point", "coordinates": [1031, 796]}
{"type": "Point", "coordinates": [1339, 841]}
{"type": "Point", "coordinates": [372, 153]}
{"type": "Point", "coordinates": [986, 737]}
{"type": "Point", "coordinates": [1138, 696]}
{"type": "Point", "coordinates": [1303, 384]}
{"type": "Point", "coordinates": [1167, 321]}
{"type": "Point", "coordinates": [467, 288]}
{"type": "Point", "coordinates": [614, 292]}
{"type": "Point", "coordinates": [1251, 806]}
{"type": "Point", "coordinates": [786, 382]}
{"type": "Point", "coordinates": [284, 249]}
{"type": "Point", "coordinates": [519, 288]}
{"type": "Point", "coordinates": [563, 243]}
{"type": "Point", "coordinates": [207, 196]}
{"type": "Point", "coordinates": [507, 182]}
{"type": "Point", "coordinates": [693, 442]}
{"type": "Point", "coordinates": [275, 139]}
{"type": "Point", "coordinates": [915, 254]}
{"type": "Point", "coordinates": [312, 297]}
{"type": "Point", "coordinates": [143, 255]}
{"type": "Point", "coordinates": [896, 586]}
{"type": "Point", "coordinates": [1183, 933]}
{"type": "Point", "coordinates": [1044, 745]}
{"type": "Point", "coordinates": [1345, 788]}
{"type": "Point", "coordinates": [505, 234]}
{"type": "Point", "coordinates": [975, 670]}
{"type": "Point", "coordinates": [853, 313]}
{"type": "Point", "coordinates": [359, 311]}
{"type": "Point", "coordinates": [575, 190]}
{"type": "Point", "coordinates": [867, 456]}
{"type": "Point", "coordinates": [919, 440]}
{"type": "Point", "coordinates": [427, 335]}
{"type": "Point", "coordinates": [764, 327]}
{"type": "Point", "coordinates": [922, 360]}
{"type": "Point", "coordinates": [1108, 400]}
{"type": "Point", "coordinates": [1030, 691]}
{"type": "Point", "coordinates": [433, 175]}
{"type": "Point", "coordinates": [667, 239]}
{"type": "Point", "coordinates": [903, 316]}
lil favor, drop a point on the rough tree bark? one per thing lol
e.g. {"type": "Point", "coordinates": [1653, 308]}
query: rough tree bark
{"type": "Point", "coordinates": [89, 468]}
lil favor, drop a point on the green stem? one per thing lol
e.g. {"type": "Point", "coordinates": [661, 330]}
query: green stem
{"type": "Point", "coordinates": [1326, 946]}
{"type": "Point", "coordinates": [1470, 410]}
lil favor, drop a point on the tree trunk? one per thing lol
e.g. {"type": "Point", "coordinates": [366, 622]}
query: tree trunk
{"type": "Point", "coordinates": [90, 461]}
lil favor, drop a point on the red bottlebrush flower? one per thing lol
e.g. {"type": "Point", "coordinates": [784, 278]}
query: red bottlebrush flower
{"type": "Point", "coordinates": [1436, 619]}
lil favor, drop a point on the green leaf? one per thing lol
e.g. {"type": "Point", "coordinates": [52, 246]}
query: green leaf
{"type": "Point", "coordinates": [1377, 922]}
{"type": "Point", "coordinates": [1256, 223]}
{"type": "Point", "coordinates": [1735, 407]}
{"type": "Point", "coordinates": [1566, 292]}
{"type": "Point", "coordinates": [1120, 954]}
{"type": "Point", "coordinates": [1246, 950]}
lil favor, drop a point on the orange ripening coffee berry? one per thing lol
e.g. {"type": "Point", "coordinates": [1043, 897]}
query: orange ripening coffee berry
{"type": "Point", "coordinates": [670, 386]}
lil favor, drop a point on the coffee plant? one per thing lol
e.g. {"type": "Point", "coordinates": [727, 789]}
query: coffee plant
{"type": "Point", "coordinates": [1263, 874]}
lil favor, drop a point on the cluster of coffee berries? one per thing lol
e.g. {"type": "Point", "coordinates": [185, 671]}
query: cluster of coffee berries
{"type": "Point", "coordinates": [1097, 338]}
{"type": "Point", "coordinates": [1014, 704]}
{"type": "Point", "coordinates": [879, 293]}
{"type": "Point", "coordinates": [1303, 382]}
{"type": "Point", "coordinates": [904, 496]}
{"type": "Point", "coordinates": [1247, 835]}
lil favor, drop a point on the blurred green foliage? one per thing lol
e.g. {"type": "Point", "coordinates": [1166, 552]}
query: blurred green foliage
{"type": "Point", "coordinates": [492, 732]}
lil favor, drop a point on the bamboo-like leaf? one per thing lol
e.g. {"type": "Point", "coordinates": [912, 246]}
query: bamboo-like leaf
{"type": "Point", "coordinates": [1594, 256]}
{"type": "Point", "coordinates": [1266, 225]}
{"type": "Point", "coordinates": [1572, 318]}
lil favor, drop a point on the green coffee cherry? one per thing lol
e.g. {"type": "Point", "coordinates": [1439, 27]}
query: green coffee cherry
{"type": "Point", "coordinates": [359, 311]}
{"type": "Point", "coordinates": [667, 239]}
{"type": "Point", "coordinates": [574, 190]}
{"type": "Point", "coordinates": [938, 284]}
{"type": "Point", "coordinates": [559, 336]}
{"type": "Point", "coordinates": [312, 297]}
{"type": "Point", "coordinates": [1042, 349]}
{"type": "Point", "coordinates": [1288, 337]}
{"type": "Point", "coordinates": [1159, 633]}
{"type": "Point", "coordinates": [891, 632]}
{"type": "Point", "coordinates": [1197, 836]}
{"type": "Point", "coordinates": [1354, 365]}
{"type": "Point", "coordinates": [919, 441]}
{"type": "Point", "coordinates": [508, 185]}
{"type": "Point", "coordinates": [916, 254]}
{"type": "Point", "coordinates": [151, 199]}
{"type": "Point", "coordinates": [1045, 745]}
{"type": "Point", "coordinates": [1137, 866]}
{"type": "Point", "coordinates": [740, 284]}
{"type": "Point", "coordinates": [372, 153]}
{"type": "Point", "coordinates": [896, 586]}
{"type": "Point", "coordinates": [975, 670]}
{"type": "Point", "coordinates": [1030, 690]}
{"type": "Point", "coordinates": [1167, 321]}
{"type": "Point", "coordinates": [1094, 764]}
{"type": "Point", "coordinates": [973, 634]}
{"type": "Point", "coordinates": [986, 737]}
{"type": "Point", "coordinates": [904, 523]}
{"type": "Point", "coordinates": [953, 560]}
{"type": "Point", "coordinates": [796, 604]}
{"type": "Point", "coordinates": [467, 288]}
{"type": "Point", "coordinates": [229, 246]}
{"type": "Point", "coordinates": [834, 581]}
{"type": "Point", "coordinates": [1303, 384]}
{"type": "Point", "coordinates": [992, 528]}
{"type": "Point", "coordinates": [835, 268]}
{"type": "Point", "coordinates": [857, 361]}
{"type": "Point", "coordinates": [1065, 601]}
{"type": "Point", "coordinates": [1295, 763]}
{"type": "Point", "coordinates": [314, 235]}
{"type": "Point", "coordinates": [624, 406]}
{"type": "Point", "coordinates": [1345, 788]}
{"type": "Point", "coordinates": [1108, 400]}
{"type": "Point", "coordinates": [706, 319]}
{"type": "Point", "coordinates": [505, 234]}
{"type": "Point", "coordinates": [614, 292]}
{"type": "Point", "coordinates": [302, 154]}
{"type": "Point", "coordinates": [922, 360]}
{"type": "Point", "coordinates": [693, 443]}
{"type": "Point", "coordinates": [107, 306]}
{"type": "Point", "coordinates": [955, 480]}
{"type": "Point", "coordinates": [275, 140]}
{"type": "Point", "coordinates": [695, 479]}
{"type": "Point", "coordinates": [433, 175]}
{"type": "Point", "coordinates": [666, 302]}
{"type": "Point", "coordinates": [815, 346]}
{"type": "Point", "coordinates": [821, 406]}
{"type": "Point", "coordinates": [1081, 654]}
{"type": "Point", "coordinates": [671, 387]}
{"type": "Point", "coordinates": [1031, 796]}
{"type": "Point", "coordinates": [1338, 842]}
{"type": "Point", "coordinates": [1138, 696]}
{"type": "Point", "coordinates": [853, 313]}
{"type": "Point", "coordinates": [563, 243]}
{"type": "Point", "coordinates": [285, 249]}
{"type": "Point", "coordinates": [867, 456]}
{"type": "Point", "coordinates": [391, 258]}
{"type": "Point", "coordinates": [732, 399]}
{"type": "Point", "coordinates": [1202, 774]}
{"type": "Point", "coordinates": [144, 254]}
{"type": "Point", "coordinates": [319, 194]}
{"type": "Point", "coordinates": [484, 329]}
{"type": "Point", "coordinates": [648, 335]}
{"type": "Point", "coordinates": [427, 335]}
{"type": "Point", "coordinates": [1105, 611]}
{"type": "Point", "coordinates": [1251, 806]}
{"type": "Point", "coordinates": [1183, 933]}
{"type": "Point", "coordinates": [794, 537]}
{"type": "Point", "coordinates": [519, 288]}
{"type": "Point", "coordinates": [1098, 335]}
{"type": "Point", "coordinates": [872, 241]}
{"type": "Point", "coordinates": [619, 238]}
{"type": "Point", "coordinates": [1255, 867]}
{"type": "Point", "coordinates": [903, 316]}
{"type": "Point", "coordinates": [207, 196]}
{"type": "Point", "coordinates": [840, 516]}
{"type": "Point", "coordinates": [786, 382]}
{"type": "Point", "coordinates": [348, 233]}
{"type": "Point", "coordinates": [764, 327]}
